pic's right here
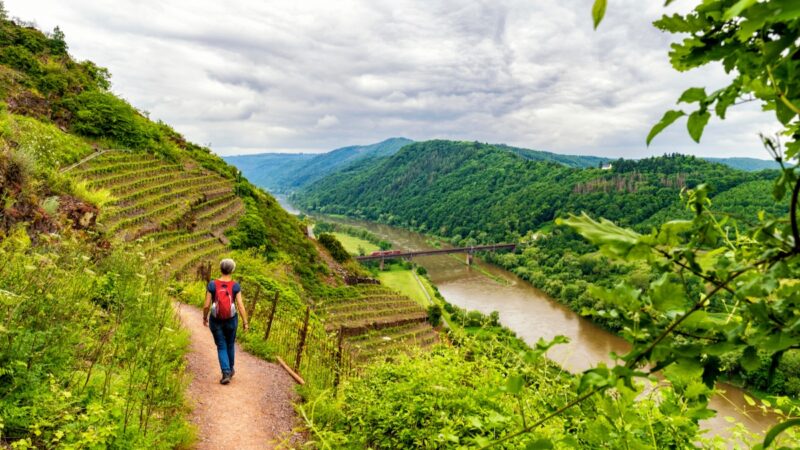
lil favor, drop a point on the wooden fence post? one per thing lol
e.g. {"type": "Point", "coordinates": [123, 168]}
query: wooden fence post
{"type": "Point", "coordinates": [338, 374]}
{"type": "Point", "coordinates": [251, 308]}
{"type": "Point", "coordinates": [302, 344]}
{"type": "Point", "coordinates": [271, 315]}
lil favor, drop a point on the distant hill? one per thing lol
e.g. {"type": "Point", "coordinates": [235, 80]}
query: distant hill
{"type": "Point", "coordinates": [271, 171]}
{"type": "Point", "coordinates": [486, 192]}
{"type": "Point", "coordinates": [748, 164]}
{"type": "Point", "coordinates": [326, 163]}
{"type": "Point", "coordinates": [282, 172]}
{"type": "Point", "coordinates": [579, 161]}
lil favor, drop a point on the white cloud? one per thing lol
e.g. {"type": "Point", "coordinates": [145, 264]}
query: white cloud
{"type": "Point", "coordinates": [266, 76]}
{"type": "Point", "coordinates": [327, 121]}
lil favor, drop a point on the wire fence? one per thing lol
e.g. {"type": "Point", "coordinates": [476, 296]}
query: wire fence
{"type": "Point", "coordinates": [321, 357]}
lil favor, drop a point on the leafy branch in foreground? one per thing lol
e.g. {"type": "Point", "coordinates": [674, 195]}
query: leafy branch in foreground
{"type": "Point", "coordinates": [720, 290]}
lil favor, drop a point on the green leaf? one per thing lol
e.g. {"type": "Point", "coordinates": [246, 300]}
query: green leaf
{"type": "Point", "coordinates": [783, 112]}
{"type": "Point", "coordinates": [750, 360]}
{"type": "Point", "coordinates": [598, 11]}
{"type": "Point", "coordinates": [737, 9]}
{"type": "Point", "coordinates": [686, 370]}
{"type": "Point", "coordinates": [605, 234]}
{"type": "Point", "coordinates": [697, 122]}
{"type": "Point", "coordinates": [778, 429]}
{"type": "Point", "coordinates": [693, 95]}
{"type": "Point", "coordinates": [514, 384]}
{"type": "Point", "coordinates": [667, 295]}
{"type": "Point", "coordinates": [540, 444]}
{"type": "Point", "coordinates": [669, 117]}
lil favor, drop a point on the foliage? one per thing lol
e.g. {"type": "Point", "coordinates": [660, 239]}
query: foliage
{"type": "Point", "coordinates": [334, 247]}
{"type": "Point", "coordinates": [749, 298]}
{"type": "Point", "coordinates": [90, 358]}
{"type": "Point", "coordinates": [476, 193]}
{"type": "Point", "coordinates": [361, 233]}
{"type": "Point", "coordinates": [101, 114]}
{"type": "Point", "coordinates": [481, 389]}
{"type": "Point", "coordinates": [435, 315]}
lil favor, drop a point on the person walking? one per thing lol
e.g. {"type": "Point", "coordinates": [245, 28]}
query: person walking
{"type": "Point", "coordinates": [221, 314]}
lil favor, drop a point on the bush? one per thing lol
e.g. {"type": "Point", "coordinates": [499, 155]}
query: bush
{"type": "Point", "coordinates": [334, 247]}
{"type": "Point", "coordinates": [102, 115]}
{"type": "Point", "coordinates": [20, 58]}
{"type": "Point", "coordinates": [421, 270]}
{"type": "Point", "coordinates": [435, 315]}
{"type": "Point", "coordinates": [87, 359]}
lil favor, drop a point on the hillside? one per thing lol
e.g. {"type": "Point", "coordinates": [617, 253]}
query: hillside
{"type": "Point", "coordinates": [288, 172]}
{"type": "Point", "coordinates": [270, 171]}
{"type": "Point", "coordinates": [475, 193]}
{"type": "Point", "coordinates": [279, 172]}
{"type": "Point", "coordinates": [747, 164]}
{"type": "Point", "coordinates": [107, 218]}
{"type": "Point", "coordinates": [469, 190]}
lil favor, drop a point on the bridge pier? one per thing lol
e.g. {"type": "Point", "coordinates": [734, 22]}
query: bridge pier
{"type": "Point", "coordinates": [382, 260]}
{"type": "Point", "coordinates": [469, 259]}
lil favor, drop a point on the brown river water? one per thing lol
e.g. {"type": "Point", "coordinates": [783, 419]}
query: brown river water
{"type": "Point", "coordinates": [531, 314]}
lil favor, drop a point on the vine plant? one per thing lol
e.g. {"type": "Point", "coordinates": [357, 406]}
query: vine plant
{"type": "Point", "coordinates": [720, 289]}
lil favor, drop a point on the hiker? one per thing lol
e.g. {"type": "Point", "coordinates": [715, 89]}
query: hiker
{"type": "Point", "coordinates": [223, 305]}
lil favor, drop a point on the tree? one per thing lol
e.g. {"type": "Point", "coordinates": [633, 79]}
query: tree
{"type": "Point", "coordinates": [722, 288]}
{"type": "Point", "coordinates": [57, 42]}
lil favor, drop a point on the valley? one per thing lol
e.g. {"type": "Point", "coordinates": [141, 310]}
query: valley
{"type": "Point", "coordinates": [532, 315]}
{"type": "Point", "coordinates": [436, 293]}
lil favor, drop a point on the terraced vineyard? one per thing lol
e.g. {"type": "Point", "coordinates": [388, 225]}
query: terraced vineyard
{"type": "Point", "coordinates": [181, 212]}
{"type": "Point", "coordinates": [379, 322]}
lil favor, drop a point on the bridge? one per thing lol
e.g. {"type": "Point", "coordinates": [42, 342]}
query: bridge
{"type": "Point", "coordinates": [470, 251]}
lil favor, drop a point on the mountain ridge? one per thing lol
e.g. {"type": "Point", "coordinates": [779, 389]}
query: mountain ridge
{"type": "Point", "coordinates": [288, 172]}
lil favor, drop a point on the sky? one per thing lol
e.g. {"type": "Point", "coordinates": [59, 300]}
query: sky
{"type": "Point", "coordinates": [309, 76]}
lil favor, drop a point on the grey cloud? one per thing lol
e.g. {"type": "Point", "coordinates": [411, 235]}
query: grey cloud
{"type": "Point", "coordinates": [309, 76]}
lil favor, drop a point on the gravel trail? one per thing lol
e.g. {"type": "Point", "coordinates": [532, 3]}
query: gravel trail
{"type": "Point", "coordinates": [254, 411]}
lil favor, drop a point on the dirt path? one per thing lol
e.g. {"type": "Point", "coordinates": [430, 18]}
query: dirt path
{"type": "Point", "coordinates": [253, 412]}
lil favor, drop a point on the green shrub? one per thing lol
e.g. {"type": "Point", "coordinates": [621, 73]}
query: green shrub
{"type": "Point", "coordinates": [435, 315]}
{"type": "Point", "coordinates": [103, 115]}
{"type": "Point", "coordinates": [92, 356]}
{"type": "Point", "coordinates": [334, 247]}
{"type": "Point", "coordinates": [20, 58]}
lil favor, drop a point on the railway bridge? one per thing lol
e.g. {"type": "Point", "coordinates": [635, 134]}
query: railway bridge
{"type": "Point", "coordinates": [382, 256]}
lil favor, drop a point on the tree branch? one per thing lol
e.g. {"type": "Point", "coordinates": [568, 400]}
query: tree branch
{"type": "Point", "coordinates": [546, 418]}
{"type": "Point", "coordinates": [793, 215]}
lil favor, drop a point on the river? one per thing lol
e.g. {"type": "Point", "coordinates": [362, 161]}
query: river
{"type": "Point", "coordinates": [531, 314]}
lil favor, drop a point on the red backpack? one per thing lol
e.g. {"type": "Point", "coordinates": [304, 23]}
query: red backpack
{"type": "Point", "coordinates": [223, 297]}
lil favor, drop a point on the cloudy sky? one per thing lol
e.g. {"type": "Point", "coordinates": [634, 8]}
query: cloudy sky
{"type": "Point", "coordinates": [257, 76]}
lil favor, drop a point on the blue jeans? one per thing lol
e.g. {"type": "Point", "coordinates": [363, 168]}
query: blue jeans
{"type": "Point", "coordinates": [224, 332]}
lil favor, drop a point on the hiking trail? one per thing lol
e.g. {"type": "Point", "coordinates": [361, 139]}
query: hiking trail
{"type": "Point", "coordinates": [253, 412]}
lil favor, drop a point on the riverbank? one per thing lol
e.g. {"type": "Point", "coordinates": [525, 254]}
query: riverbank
{"type": "Point", "coordinates": [532, 315]}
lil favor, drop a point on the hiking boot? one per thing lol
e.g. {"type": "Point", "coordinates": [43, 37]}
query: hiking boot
{"type": "Point", "coordinates": [233, 372]}
{"type": "Point", "coordinates": [226, 378]}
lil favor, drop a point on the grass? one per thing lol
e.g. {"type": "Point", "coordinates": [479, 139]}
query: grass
{"type": "Point", "coordinates": [475, 266]}
{"type": "Point", "coordinates": [352, 244]}
{"type": "Point", "coordinates": [403, 280]}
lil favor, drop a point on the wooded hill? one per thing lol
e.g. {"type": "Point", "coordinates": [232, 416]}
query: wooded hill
{"type": "Point", "coordinates": [483, 193]}
{"type": "Point", "coordinates": [286, 172]}
{"type": "Point", "coordinates": [474, 193]}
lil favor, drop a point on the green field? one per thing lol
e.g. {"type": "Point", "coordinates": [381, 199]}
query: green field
{"type": "Point", "coordinates": [352, 244]}
{"type": "Point", "coordinates": [403, 281]}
